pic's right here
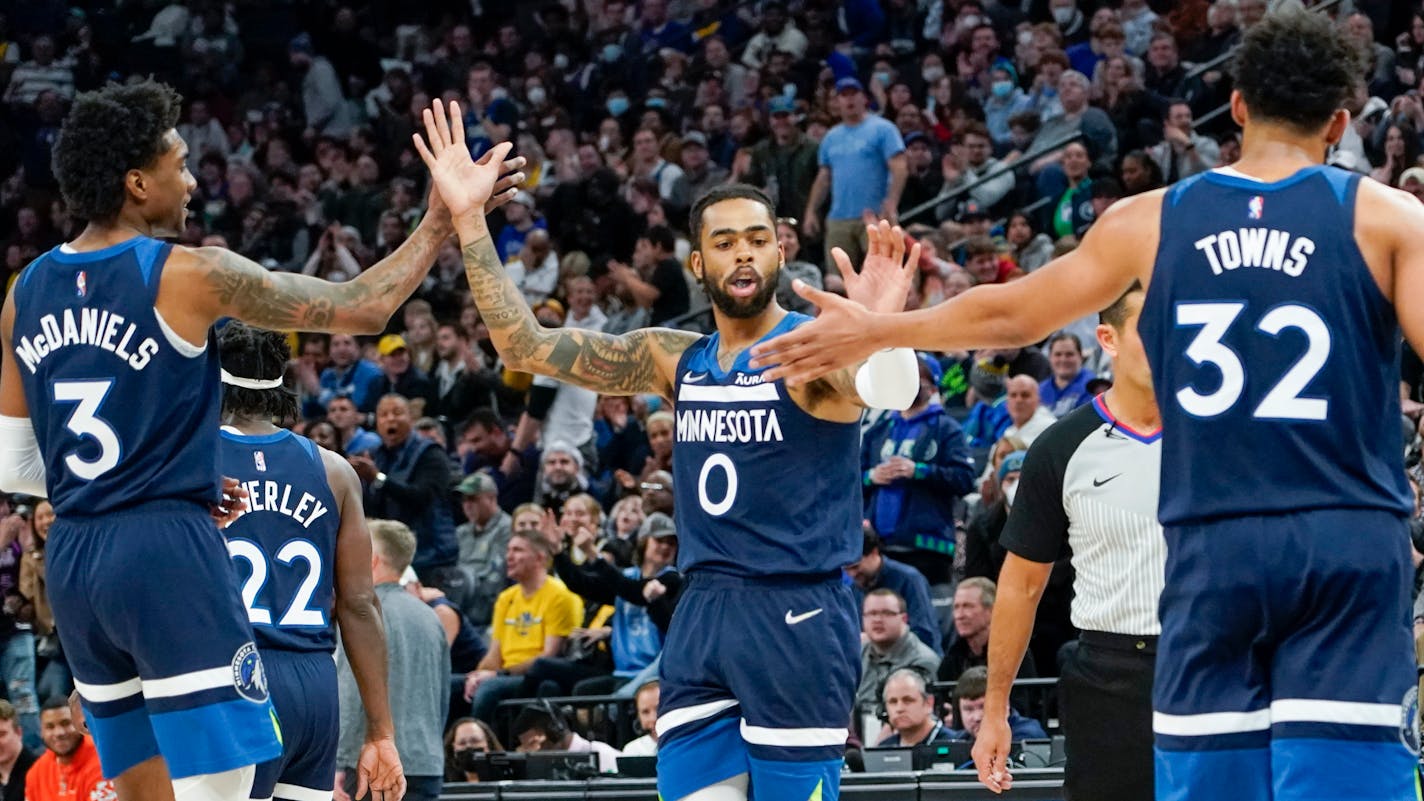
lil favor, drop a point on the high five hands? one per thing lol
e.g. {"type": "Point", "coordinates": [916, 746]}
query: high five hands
{"type": "Point", "coordinates": [837, 337]}
{"type": "Point", "coordinates": [464, 185]}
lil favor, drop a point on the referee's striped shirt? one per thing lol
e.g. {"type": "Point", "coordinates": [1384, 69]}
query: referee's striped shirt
{"type": "Point", "coordinates": [1090, 484]}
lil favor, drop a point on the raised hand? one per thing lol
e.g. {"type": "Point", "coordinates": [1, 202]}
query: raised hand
{"type": "Point", "coordinates": [465, 185]}
{"type": "Point", "coordinates": [886, 276]}
{"type": "Point", "coordinates": [835, 339]}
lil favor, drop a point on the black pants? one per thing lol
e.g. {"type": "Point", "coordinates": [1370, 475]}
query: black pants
{"type": "Point", "coordinates": [1105, 701]}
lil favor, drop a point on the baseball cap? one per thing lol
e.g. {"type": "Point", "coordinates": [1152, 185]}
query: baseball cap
{"type": "Point", "coordinates": [524, 199]}
{"type": "Point", "coordinates": [930, 363]}
{"type": "Point", "coordinates": [849, 82]}
{"type": "Point", "coordinates": [390, 343]}
{"type": "Point", "coordinates": [972, 211]}
{"type": "Point", "coordinates": [477, 484]}
{"type": "Point", "coordinates": [781, 104]}
{"type": "Point", "coordinates": [694, 138]}
{"type": "Point", "coordinates": [657, 525]}
{"type": "Point", "coordinates": [916, 136]}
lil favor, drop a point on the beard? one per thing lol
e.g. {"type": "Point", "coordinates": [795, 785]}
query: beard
{"type": "Point", "coordinates": [743, 308]}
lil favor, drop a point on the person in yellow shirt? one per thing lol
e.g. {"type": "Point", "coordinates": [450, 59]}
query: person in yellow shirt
{"type": "Point", "coordinates": [531, 619]}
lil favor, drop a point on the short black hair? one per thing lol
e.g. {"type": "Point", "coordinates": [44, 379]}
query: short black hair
{"type": "Point", "coordinates": [107, 133]}
{"type": "Point", "coordinates": [660, 236]}
{"type": "Point", "coordinates": [55, 702]}
{"type": "Point", "coordinates": [1296, 68]}
{"type": "Point", "coordinates": [871, 542]}
{"type": "Point", "coordinates": [717, 194]}
{"type": "Point", "coordinates": [256, 353]}
{"type": "Point", "coordinates": [484, 417]}
{"type": "Point", "coordinates": [1116, 314]}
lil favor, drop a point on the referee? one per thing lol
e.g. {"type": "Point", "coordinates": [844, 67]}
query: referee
{"type": "Point", "coordinates": [1089, 484]}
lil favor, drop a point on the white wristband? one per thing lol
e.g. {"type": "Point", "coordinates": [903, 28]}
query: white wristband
{"type": "Point", "coordinates": [889, 379]}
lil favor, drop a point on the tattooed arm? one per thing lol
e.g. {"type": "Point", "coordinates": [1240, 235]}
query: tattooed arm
{"type": "Point", "coordinates": [636, 362]}
{"type": "Point", "coordinates": [216, 282]}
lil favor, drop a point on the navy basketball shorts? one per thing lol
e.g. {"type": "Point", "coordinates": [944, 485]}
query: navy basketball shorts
{"type": "Point", "coordinates": [758, 676]}
{"type": "Point", "coordinates": [303, 687]}
{"type": "Point", "coordinates": [1285, 669]}
{"type": "Point", "coordinates": [147, 605]}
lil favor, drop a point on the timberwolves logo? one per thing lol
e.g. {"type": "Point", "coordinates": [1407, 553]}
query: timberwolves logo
{"type": "Point", "coordinates": [1256, 207]}
{"type": "Point", "coordinates": [1409, 723]}
{"type": "Point", "coordinates": [247, 674]}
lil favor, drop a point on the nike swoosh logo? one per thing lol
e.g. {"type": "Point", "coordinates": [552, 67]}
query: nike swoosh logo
{"type": "Point", "coordinates": [1100, 482]}
{"type": "Point", "coordinates": [792, 620]}
{"type": "Point", "coordinates": [692, 378]}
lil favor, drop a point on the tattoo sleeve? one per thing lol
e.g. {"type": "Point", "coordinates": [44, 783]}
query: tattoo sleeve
{"type": "Point", "coordinates": [294, 302]}
{"type": "Point", "coordinates": [611, 364]}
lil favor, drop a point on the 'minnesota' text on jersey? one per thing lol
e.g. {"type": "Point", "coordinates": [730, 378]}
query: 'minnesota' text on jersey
{"type": "Point", "coordinates": [1274, 354]}
{"type": "Point", "coordinates": [284, 544]}
{"type": "Point", "coordinates": [763, 487]}
{"type": "Point", "coordinates": [124, 410]}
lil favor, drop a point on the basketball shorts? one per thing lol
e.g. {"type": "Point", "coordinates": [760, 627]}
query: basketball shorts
{"type": "Point", "coordinates": [1285, 669]}
{"type": "Point", "coordinates": [146, 602]}
{"type": "Point", "coordinates": [303, 687]}
{"type": "Point", "coordinates": [758, 676]}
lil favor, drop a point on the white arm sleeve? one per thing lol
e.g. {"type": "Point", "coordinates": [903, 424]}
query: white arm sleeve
{"type": "Point", "coordinates": [21, 466]}
{"type": "Point", "coordinates": [889, 379]}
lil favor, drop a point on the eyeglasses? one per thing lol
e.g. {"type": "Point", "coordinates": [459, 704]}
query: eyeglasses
{"type": "Point", "coordinates": [646, 486]}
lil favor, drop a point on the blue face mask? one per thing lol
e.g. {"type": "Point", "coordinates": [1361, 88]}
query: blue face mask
{"type": "Point", "coordinates": [612, 52]}
{"type": "Point", "coordinates": [1002, 89]}
{"type": "Point", "coordinates": [617, 106]}
{"type": "Point", "coordinates": [657, 102]}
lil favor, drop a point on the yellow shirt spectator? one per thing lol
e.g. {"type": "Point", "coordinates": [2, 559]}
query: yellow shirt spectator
{"type": "Point", "coordinates": [521, 623]}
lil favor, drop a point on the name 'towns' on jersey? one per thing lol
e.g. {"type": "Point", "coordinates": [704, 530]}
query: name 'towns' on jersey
{"type": "Point", "coordinates": [763, 488]}
{"type": "Point", "coordinates": [284, 544]}
{"type": "Point", "coordinates": [1274, 354]}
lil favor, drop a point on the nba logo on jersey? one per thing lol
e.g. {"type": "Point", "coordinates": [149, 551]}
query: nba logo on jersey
{"type": "Point", "coordinates": [1256, 207]}
{"type": "Point", "coordinates": [259, 461]}
{"type": "Point", "coordinates": [81, 283]}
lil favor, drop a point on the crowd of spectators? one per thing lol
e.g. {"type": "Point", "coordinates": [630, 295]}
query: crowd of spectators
{"type": "Point", "coordinates": [540, 515]}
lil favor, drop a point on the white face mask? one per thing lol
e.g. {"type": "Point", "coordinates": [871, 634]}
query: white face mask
{"type": "Point", "coordinates": [1064, 15]}
{"type": "Point", "coordinates": [1010, 490]}
{"type": "Point", "coordinates": [536, 95]}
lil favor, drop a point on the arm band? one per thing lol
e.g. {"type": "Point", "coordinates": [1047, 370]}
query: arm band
{"type": "Point", "coordinates": [21, 466]}
{"type": "Point", "coordinates": [889, 379]}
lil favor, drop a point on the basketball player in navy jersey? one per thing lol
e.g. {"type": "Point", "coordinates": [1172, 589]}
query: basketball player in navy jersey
{"type": "Point", "coordinates": [109, 398]}
{"type": "Point", "coordinates": [1275, 293]}
{"type": "Point", "coordinates": [305, 565]}
{"type": "Point", "coordinates": [761, 662]}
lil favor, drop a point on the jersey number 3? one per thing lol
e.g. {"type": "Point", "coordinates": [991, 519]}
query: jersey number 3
{"type": "Point", "coordinates": [299, 612]}
{"type": "Point", "coordinates": [85, 422]}
{"type": "Point", "coordinates": [1283, 401]}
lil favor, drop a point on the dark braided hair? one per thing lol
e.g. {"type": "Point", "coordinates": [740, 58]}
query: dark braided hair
{"type": "Point", "coordinates": [256, 353]}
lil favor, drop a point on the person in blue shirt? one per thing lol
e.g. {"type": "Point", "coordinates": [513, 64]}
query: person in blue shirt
{"type": "Point", "coordinates": [349, 374]}
{"type": "Point", "coordinates": [519, 220]}
{"type": "Point", "coordinates": [875, 571]}
{"type": "Point", "coordinates": [863, 166]}
{"type": "Point", "coordinates": [1067, 388]}
{"type": "Point", "coordinates": [914, 465]}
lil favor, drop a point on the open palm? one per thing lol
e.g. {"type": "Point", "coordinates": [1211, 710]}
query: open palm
{"type": "Point", "coordinates": [464, 184]}
{"type": "Point", "coordinates": [885, 276]}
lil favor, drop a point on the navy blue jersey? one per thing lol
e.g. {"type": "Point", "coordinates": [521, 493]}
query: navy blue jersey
{"type": "Point", "coordinates": [284, 545]}
{"type": "Point", "coordinates": [1274, 354]}
{"type": "Point", "coordinates": [124, 410]}
{"type": "Point", "coordinates": [763, 488]}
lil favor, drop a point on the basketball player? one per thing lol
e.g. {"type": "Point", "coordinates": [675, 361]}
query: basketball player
{"type": "Point", "coordinates": [305, 555]}
{"type": "Point", "coordinates": [761, 661]}
{"type": "Point", "coordinates": [1273, 289]}
{"type": "Point", "coordinates": [109, 399]}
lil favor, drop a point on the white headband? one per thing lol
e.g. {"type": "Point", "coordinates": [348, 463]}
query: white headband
{"type": "Point", "coordinates": [251, 383]}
